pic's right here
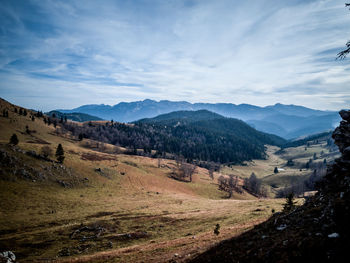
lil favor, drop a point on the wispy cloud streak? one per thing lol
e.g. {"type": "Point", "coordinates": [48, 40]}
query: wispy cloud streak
{"type": "Point", "coordinates": [258, 52]}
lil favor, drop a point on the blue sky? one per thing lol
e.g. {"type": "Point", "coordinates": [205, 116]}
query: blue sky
{"type": "Point", "coordinates": [63, 54]}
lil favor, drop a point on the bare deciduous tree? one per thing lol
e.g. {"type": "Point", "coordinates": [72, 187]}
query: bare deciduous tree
{"type": "Point", "coordinates": [183, 171]}
{"type": "Point", "coordinates": [230, 184]}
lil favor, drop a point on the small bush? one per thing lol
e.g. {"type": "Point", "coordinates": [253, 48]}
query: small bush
{"type": "Point", "coordinates": [14, 140]}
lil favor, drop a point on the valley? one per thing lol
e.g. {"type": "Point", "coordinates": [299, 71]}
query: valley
{"type": "Point", "coordinates": [101, 206]}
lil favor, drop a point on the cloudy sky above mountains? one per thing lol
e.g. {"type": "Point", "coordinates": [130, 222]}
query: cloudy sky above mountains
{"type": "Point", "coordinates": [62, 54]}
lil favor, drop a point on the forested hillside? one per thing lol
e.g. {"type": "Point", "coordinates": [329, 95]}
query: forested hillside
{"type": "Point", "coordinates": [287, 121]}
{"type": "Point", "coordinates": [74, 116]}
{"type": "Point", "coordinates": [200, 135]}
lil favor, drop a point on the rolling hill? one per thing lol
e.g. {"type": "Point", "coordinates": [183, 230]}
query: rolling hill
{"type": "Point", "coordinates": [102, 205]}
{"type": "Point", "coordinates": [288, 121]}
{"type": "Point", "coordinates": [195, 135]}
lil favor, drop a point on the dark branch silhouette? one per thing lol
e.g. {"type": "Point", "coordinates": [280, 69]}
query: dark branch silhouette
{"type": "Point", "coordinates": [343, 54]}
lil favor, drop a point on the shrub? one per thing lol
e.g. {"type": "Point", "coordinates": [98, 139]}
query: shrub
{"type": "Point", "coordinates": [46, 151]}
{"type": "Point", "coordinates": [14, 139]}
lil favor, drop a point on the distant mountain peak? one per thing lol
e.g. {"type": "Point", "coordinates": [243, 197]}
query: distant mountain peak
{"type": "Point", "coordinates": [284, 120]}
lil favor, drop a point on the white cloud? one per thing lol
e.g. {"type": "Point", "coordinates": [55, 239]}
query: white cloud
{"type": "Point", "coordinates": [259, 52]}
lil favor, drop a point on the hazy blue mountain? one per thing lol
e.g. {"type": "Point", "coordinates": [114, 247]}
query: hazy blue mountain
{"type": "Point", "coordinates": [291, 126]}
{"type": "Point", "coordinates": [288, 121]}
{"type": "Point", "coordinates": [297, 110]}
{"type": "Point", "coordinates": [268, 127]}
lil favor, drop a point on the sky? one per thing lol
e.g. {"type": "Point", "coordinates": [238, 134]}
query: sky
{"type": "Point", "coordinates": [64, 54]}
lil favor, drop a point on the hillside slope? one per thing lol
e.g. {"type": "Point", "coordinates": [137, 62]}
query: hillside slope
{"type": "Point", "coordinates": [102, 206]}
{"type": "Point", "coordinates": [318, 231]}
{"type": "Point", "coordinates": [74, 116]}
{"type": "Point", "coordinates": [196, 135]}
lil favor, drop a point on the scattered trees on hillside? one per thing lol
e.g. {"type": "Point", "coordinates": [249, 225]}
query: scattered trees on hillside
{"type": "Point", "coordinates": [183, 171]}
{"type": "Point", "coordinates": [253, 185]}
{"type": "Point", "coordinates": [308, 184]}
{"type": "Point", "coordinates": [290, 162]}
{"type": "Point", "coordinates": [39, 114]}
{"type": "Point", "coordinates": [60, 153]}
{"type": "Point", "coordinates": [14, 140]}
{"type": "Point", "coordinates": [308, 164]}
{"type": "Point", "coordinates": [230, 184]}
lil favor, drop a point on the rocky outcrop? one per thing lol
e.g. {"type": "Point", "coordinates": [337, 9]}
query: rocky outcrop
{"type": "Point", "coordinates": [7, 257]}
{"type": "Point", "coordinates": [318, 231]}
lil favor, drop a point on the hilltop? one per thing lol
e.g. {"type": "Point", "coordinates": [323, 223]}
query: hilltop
{"type": "Point", "coordinates": [198, 136]}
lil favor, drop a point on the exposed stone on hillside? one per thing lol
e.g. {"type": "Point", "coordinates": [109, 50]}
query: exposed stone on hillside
{"type": "Point", "coordinates": [17, 164]}
{"type": "Point", "coordinates": [318, 231]}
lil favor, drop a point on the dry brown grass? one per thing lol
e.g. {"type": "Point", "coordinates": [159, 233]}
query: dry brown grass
{"type": "Point", "coordinates": [127, 194]}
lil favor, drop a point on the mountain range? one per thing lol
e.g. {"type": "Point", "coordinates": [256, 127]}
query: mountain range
{"type": "Point", "coordinates": [287, 121]}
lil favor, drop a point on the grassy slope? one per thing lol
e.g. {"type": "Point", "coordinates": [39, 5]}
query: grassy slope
{"type": "Point", "coordinates": [263, 169]}
{"type": "Point", "coordinates": [37, 217]}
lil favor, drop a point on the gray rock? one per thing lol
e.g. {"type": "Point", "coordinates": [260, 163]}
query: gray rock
{"type": "Point", "coordinates": [9, 256]}
{"type": "Point", "coordinates": [282, 227]}
{"type": "Point", "coordinates": [345, 115]}
{"type": "Point", "coordinates": [333, 235]}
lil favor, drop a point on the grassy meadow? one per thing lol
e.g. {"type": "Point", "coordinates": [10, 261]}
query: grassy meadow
{"type": "Point", "coordinates": [103, 206]}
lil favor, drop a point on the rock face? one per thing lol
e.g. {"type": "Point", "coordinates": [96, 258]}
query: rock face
{"type": "Point", "coordinates": [7, 257]}
{"type": "Point", "coordinates": [318, 231]}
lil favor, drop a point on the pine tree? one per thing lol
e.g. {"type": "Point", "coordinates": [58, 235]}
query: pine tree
{"type": "Point", "coordinates": [14, 139]}
{"type": "Point", "coordinates": [275, 170]}
{"type": "Point", "coordinates": [290, 203]}
{"type": "Point", "coordinates": [60, 153]}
